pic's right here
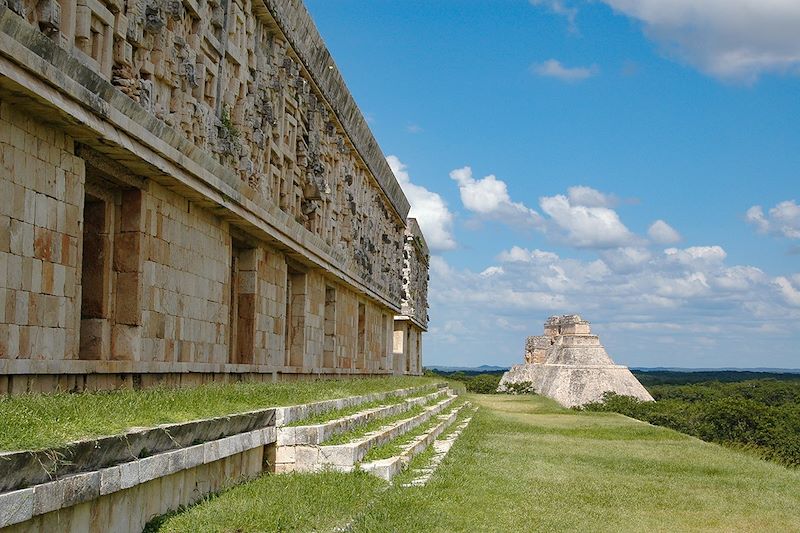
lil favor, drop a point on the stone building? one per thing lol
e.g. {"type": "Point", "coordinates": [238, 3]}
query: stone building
{"type": "Point", "coordinates": [413, 322]}
{"type": "Point", "coordinates": [569, 364]}
{"type": "Point", "coordinates": [190, 193]}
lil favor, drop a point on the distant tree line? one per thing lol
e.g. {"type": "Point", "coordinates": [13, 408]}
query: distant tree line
{"type": "Point", "coordinates": [762, 415]}
{"type": "Point", "coordinates": [477, 382]}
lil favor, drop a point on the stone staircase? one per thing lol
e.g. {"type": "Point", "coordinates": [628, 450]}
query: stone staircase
{"type": "Point", "coordinates": [342, 437]}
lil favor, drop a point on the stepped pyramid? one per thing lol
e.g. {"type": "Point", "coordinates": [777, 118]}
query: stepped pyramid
{"type": "Point", "coordinates": [570, 365]}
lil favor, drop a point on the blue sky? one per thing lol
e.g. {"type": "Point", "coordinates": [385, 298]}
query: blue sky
{"type": "Point", "coordinates": [583, 124]}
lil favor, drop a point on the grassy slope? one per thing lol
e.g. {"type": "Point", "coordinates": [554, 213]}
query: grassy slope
{"type": "Point", "coordinates": [38, 421]}
{"type": "Point", "coordinates": [524, 464]}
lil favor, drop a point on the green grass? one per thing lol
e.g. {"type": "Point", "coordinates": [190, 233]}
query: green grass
{"type": "Point", "coordinates": [463, 415]}
{"type": "Point", "coordinates": [292, 502]}
{"type": "Point", "coordinates": [377, 423]}
{"type": "Point", "coordinates": [336, 414]}
{"type": "Point", "coordinates": [525, 464]}
{"type": "Point", "coordinates": [395, 446]}
{"type": "Point", "coordinates": [36, 421]}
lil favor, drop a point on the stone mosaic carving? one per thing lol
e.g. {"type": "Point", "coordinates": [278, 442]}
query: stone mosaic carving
{"type": "Point", "coordinates": [416, 258]}
{"type": "Point", "coordinates": [223, 75]}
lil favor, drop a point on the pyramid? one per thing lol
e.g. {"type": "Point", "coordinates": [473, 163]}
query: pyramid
{"type": "Point", "coordinates": [569, 365]}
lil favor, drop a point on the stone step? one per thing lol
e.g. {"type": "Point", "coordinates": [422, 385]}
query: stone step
{"type": "Point", "coordinates": [319, 433]}
{"type": "Point", "coordinates": [293, 413]}
{"type": "Point", "coordinates": [344, 457]}
{"type": "Point", "coordinates": [388, 468]}
{"type": "Point", "coordinates": [441, 447]}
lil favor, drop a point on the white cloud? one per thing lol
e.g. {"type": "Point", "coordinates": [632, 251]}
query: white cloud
{"type": "Point", "coordinates": [789, 293]}
{"type": "Point", "coordinates": [427, 207]}
{"type": "Point", "coordinates": [414, 128]}
{"type": "Point", "coordinates": [697, 257]}
{"type": "Point", "coordinates": [626, 259]}
{"type": "Point", "coordinates": [582, 219]}
{"type": "Point", "coordinates": [662, 233]}
{"type": "Point", "coordinates": [729, 39]}
{"type": "Point", "coordinates": [585, 227]}
{"type": "Point", "coordinates": [521, 255]}
{"type": "Point", "coordinates": [493, 271]}
{"type": "Point", "coordinates": [738, 278]}
{"type": "Point", "coordinates": [488, 198]}
{"type": "Point", "coordinates": [783, 219]}
{"type": "Point", "coordinates": [553, 68]}
{"type": "Point", "coordinates": [586, 196]}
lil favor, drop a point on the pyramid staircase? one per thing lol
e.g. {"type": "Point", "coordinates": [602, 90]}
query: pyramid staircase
{"type": "Point", "coordinates": [377, 435]}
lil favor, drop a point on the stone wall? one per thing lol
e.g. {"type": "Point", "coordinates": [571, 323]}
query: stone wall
{"type": "Point", "coordinates": [416, 263]}
{"type": "Point", "coordinates": [41, 183]}
{"type": "Point", "coordinates": [191, 189]}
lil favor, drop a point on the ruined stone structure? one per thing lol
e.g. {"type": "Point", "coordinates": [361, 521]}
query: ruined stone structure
{"type": "Point", "coordinates": [190, 193]}
{"type": "Point", "coordinates": [570, 365]}
{"type": "Point", "coordinates": [410, 325]}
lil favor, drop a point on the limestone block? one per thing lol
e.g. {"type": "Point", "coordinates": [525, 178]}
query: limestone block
{"type": "Point", "coordinates": [80, 488]}
{"type": "Point", "coordinates": [286, 436]}
{"type": "Point", "coordinates": [153, 467]}
{"type": "Point", "coordinates": [95, 338]}
{"type": "Point", "coordinates": [337, 455]}
{"type": "Point", "coordinates": [126, 342]}
{"type": "Point", "coordinates": [129, 298]}
{"type": "Point", "coordinates": [132, 211]}
{"type": "Point", "coordinates": [110, 480]}
{"type": "Point", "coordinates": [127, 252]}
{"type": "Point", "coordinates": [16, 507]}
{"type": "Point", "coordinates": [48, 497]}
{"type": "Point", "coordinates": [194, 456]}
{"type": "Point", "coordinates": [286, 454]}
{"type": "Point", "coordinates": [211, 452]}
{"type": "Point", "coordinates": [129, 475]}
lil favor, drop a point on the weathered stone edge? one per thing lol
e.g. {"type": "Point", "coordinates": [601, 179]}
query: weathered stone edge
{"type": "Point", "coordinates": [21, 469]}
{"type": "Point", "coordinates": [299, 29]}
{"type": "Point", "coordinates": [317, 433]}
{"type": "Point", "coordinates": [347, 455]}
{"type": "Point", "coordinates": [292, 413]}
{"type": "Point", "coordinates": [388, 468]}
{"type": "Point", "coordinates": [22, 505]}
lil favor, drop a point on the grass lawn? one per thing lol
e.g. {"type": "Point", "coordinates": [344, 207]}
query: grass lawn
{"type": "Point", "coordinates": [525, 464]}
{"type": "Point", "coordinates": [37, 421]}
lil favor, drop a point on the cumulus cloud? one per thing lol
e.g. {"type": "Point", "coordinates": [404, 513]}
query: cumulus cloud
{"type": "Point", "coordinates": [728, 39]}
{"type": "Point", "coordinates": [488, 198]}
{"type": "Point", "coordinates": [585, 227]}
{"type": "Point", "coordinates": [791, 295]}
{"type": "Point", "coordinates": [553, 68]}
{"type": "Point", "coordinates": [783, 219]}
{"type": "Point", "coordinates": [427, 207]}
{"type": "Point", "coordinates": [662, 233]}
{"type": "Point", "coordinates": [626, 259]}
{"type": "Point", "coordinates": [589, 197]}
{"type": "Point", "coordinates": [697, 257]}
{"type": "Point", "coordinates": [522, 255]}
{"type": "Point", "coordinates": [581, 219]}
